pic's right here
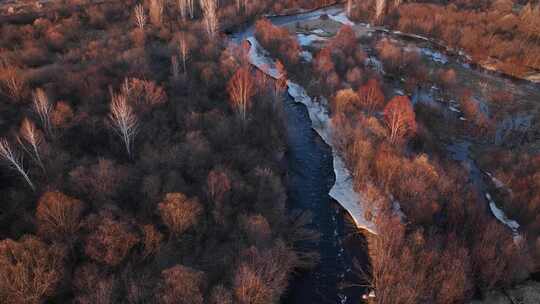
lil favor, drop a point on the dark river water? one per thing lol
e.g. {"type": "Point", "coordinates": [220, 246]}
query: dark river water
{"type": "Point", "coordinates": [310, 177]}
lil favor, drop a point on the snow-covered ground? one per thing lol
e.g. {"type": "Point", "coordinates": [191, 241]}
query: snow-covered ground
{"type": "Point", "coordinates": [306, 40]}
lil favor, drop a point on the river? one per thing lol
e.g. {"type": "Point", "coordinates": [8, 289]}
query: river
{"type": "Point", "coordinates": [316, 173]}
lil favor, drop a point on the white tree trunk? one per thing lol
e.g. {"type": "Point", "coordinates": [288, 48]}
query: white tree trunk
{"type": "Point", "coordinates": [14, 160]}
{"type": "Point", "coordinates": [380, 6]}
{"type": "Point", "coordinates": [210, 16]}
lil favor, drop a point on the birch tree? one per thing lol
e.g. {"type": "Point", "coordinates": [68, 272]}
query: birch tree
{"type": "Point", "coordinates": [12, 82]}
{"type": "Point", "coordinates": [210, 17]}
{"type": "Point", "coordinates": [371, 96]}
{"type": "Point", "coordinates": [14, 160]}
{"type": "Point", "coordinates": [30, 135]}
{"type": "Point", "coordinates": [175, 67]}
{"type": "Point", "coordinates": [241, 5]}
{"type": "Point", "coordinates": [179, 213]}
{"type": "Point", "coordinates": [182, 8]}
{"type": "Point", "coordinates": [349, 7]}
{"type": "Point", "coordinates": [241, 88]}
{"type": "Point", "coordinates": [43, 108]}
{"type": "Point", "coordinates": [156, 11]}
{"type": "Point", "coordinates": [140, 16]}
{"type": "Point", "coordinates": [184, 49]}
{"type": "Point", "coordinates": [186, 8]}
{"type": "Point", "coordinates": [380, 6]}
{"type": "Point", "coordinates": [124, 121]}
{"type": "Point", "coordinates": [400, 118]}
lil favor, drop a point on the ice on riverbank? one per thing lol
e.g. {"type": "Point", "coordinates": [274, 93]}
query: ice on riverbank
{"type": "Point", "coordinates": [435, 56]}
{"type": "Point", "coordinates": [307, 56]}
{"type": "Point", "coordinates": [343, 189]}
{"type": "Point", "coordinates": [501, 216]}
{"type": "Point", "coordinates": [307, 40]}
{"type": "Point", "coordinates": [258, 57]}
{"type": "Point", "coordinates": [341, 18]}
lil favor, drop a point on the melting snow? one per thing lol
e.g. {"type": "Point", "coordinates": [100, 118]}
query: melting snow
{"type": "Point", "coordinates": [341, 18]}
{"type": "Point", "coordinates": [306, 40]}
{"type": "Point", "coordinates": [435, 56]}
{"type": "Point", "coordinates": [375, 64]}
{"type": "Point", "coordinates": [257, 57]}
{"type": "Point", "coordinates": [501, 216]}
{"type": "Point", "coordinates": [307, 56]}
{"type": "Point", "coordinates": [495, 180]}
{"type": "Point", "coordinates": [454, 109]}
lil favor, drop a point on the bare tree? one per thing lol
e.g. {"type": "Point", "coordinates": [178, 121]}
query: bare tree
{"type": "Point", "coordinates": [110, 239]}
{"type": "Point", "coordinates": [175, 67]}
{"type": "Point", "coordinates": [151, 240]}
{"type": "Point", "coordinates": [14, 160]}
{"type": "Point", "coordinates": [184, 48]}
{"type": "Point", "coordinates": [400, 118]}
{"type": "Point", "coordinates": [191, 5]}
{"type": "Point", "coordinates": [186, 8]}
{"type": "Point", "coordinates": [156, 11]}
{"type": "Point", "coordinates": [182, 285]}
{"type": "Point", "coordinates": [30, 270]}
{"type": "Point", "coordinates": [349, 7]}
{"type": "Point", "coordinates": [179, 212]}
{"type": "Point", "coordinates": [182, 8]}
{"type": "Point", "coordinates": [59, 216]}
{"type": "Point", "coordinates": [241, 5]}
{"type": "Point", "coordinates": [140, 16]}
{"type": "Point", "coordinates": [281, 83]}
{"type": "Point", "coordinates": [380, 6]}
{"type": "Point", "coordinates": [210, 16]}
{"type": "Point", "coordinates": [124, 121]}
{"type": "Point", "coordinates": [43, 109]}
{"type": "Point", "coordinates": [371, 96]}
{"type": "Point", "coordinates": [217, 184]}
{"type": "Point", "coordinates": [12, 82]}
{"type": "Point", "coordinates": [31, 135]}
{"type": "Point", "coordinates": [241, 89]}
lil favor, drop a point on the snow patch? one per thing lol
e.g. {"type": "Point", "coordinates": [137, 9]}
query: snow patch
{"type": "Point", "coordinates": [306, 40]}
{"type": "Point", "coordinates": [495, 181]}
{"type": "Point", "coordinates": [435, 56]}
{"type": "Point", "coordinates": [501, 216]}
{"type": "Point", "coordinates": [258, 57]}
{"type": "Point", "coordinates": [307, 56]}
{"type": "Point", "coordinates": [341, 18]}
{"type": "Point", "coordinates": [454, 109]}
{"type": "Point", "coordinates": [375, 64]}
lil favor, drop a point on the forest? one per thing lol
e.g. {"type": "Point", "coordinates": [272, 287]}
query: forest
{"type": "Point", "coordinates": [144, 157]}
